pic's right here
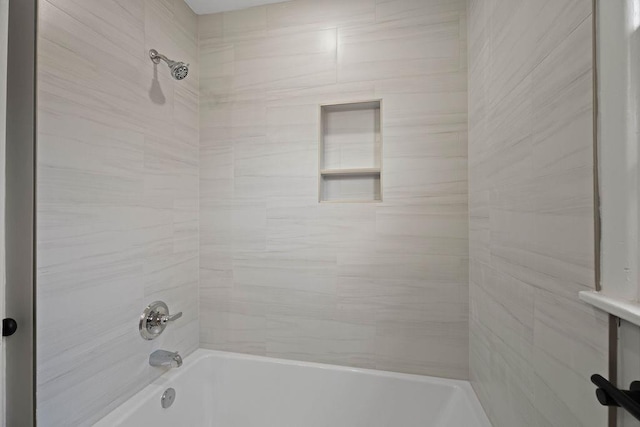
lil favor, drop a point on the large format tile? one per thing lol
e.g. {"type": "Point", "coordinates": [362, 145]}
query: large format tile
{"type": "Point", "coordinates": [379, 285]}
{"type": "Point", "coordinates": [533, 345]}
{"type": "Point", "coordinates": [117, 199]}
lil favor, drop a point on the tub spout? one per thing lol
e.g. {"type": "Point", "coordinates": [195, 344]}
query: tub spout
{"type": "Point", "coordinates": [165, 358]}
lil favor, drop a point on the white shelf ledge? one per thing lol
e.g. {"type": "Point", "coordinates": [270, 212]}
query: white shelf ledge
{"type": "Point", "coordinates": [624, 309]}
{"type": "Point", "coordinates": [355, 171]}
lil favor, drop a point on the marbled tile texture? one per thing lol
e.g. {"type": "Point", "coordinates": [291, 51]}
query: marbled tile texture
{"type": "Point", "coordinates": [533, 345]}
{"type": "Point", "coordinates": [117, 199]}
{"type": "Point", "coordinates": [374, 285]}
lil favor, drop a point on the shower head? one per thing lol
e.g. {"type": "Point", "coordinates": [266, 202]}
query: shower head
{"type": "Point", "coordinates": [179, 70]}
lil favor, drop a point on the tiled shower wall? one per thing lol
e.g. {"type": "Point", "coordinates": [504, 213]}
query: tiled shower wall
{"type": "Point", "coordinates": [117, 199]}
{"type": "Point", "coordinates": [533, 345]}
{"type": "Point", "coordinates": [375, 285]}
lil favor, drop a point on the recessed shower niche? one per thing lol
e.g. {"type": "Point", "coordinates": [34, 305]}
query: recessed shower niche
{"type": "Point", "coordinates": [350, 152]}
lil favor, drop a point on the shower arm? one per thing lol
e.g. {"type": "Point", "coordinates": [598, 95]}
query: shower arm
{"type": "Point", "coordinates": [157, 56]}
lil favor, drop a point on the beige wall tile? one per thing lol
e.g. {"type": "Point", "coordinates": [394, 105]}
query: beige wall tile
{"type": "Point", "coordinates": [533, 345]}
{"type": "Point", "coordinates": [380, 285]}
{"type": "Point", "coordinates": [117, 199]}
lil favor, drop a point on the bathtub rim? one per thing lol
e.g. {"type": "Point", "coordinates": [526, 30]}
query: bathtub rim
{"type": "Point", "coordinates": [158, 386]}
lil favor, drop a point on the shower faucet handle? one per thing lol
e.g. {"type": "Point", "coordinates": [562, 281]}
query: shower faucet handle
{"type": "Point", "coordinates": [154, 320]}
{"type": "Point", "coordinates": [170, 318]}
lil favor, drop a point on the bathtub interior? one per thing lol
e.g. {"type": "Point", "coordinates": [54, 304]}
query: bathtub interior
{"type": "Point", "coordinates": [227, 390]}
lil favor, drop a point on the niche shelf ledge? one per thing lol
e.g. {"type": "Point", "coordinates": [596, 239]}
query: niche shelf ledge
{"type": "Point", "coordinates": [353, 171]}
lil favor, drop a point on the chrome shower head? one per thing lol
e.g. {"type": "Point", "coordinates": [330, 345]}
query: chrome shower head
{"type": "Point", "coordinates": [179, 70]}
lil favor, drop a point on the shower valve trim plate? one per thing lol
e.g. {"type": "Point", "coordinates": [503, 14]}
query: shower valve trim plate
{"type": "Point", "coordinates": [154, 319]}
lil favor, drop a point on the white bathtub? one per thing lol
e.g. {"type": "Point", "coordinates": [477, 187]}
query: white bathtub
{"type": "Point", "coordinates": [217, 389]}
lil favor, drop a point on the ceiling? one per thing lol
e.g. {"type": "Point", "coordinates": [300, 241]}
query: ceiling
{"type": "Point", "coordinates": [202, 7]}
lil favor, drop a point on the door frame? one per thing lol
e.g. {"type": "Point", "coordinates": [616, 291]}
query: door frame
{"type": "Point", "coordinates": [19, 243]}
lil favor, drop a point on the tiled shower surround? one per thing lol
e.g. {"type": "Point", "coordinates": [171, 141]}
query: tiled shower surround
{"type": "Point", "coordinates": [533, 345]}
{"type": "Point", "coordinates": [117, 206]}
{"type": "Point", "coordinates": [204, 194]}
{"type": "Point", "coordinates": [375, 285]}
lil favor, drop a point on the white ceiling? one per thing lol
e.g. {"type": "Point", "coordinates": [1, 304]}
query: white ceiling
{"type": "Point", "coordinates": [202, 7]}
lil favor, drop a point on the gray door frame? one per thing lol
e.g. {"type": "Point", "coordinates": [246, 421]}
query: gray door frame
{"type": "Point", "coordinates": [19, 213]}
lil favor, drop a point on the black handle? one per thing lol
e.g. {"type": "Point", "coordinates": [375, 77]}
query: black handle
{"type": "Point", "coordinates": [610, 395]}
{"type": "Point", "coordinates": [9, 327]}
